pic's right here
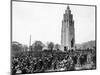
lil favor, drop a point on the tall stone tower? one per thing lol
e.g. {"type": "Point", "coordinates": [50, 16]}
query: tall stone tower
{"type": "Point", "coordinates": [67, 31]}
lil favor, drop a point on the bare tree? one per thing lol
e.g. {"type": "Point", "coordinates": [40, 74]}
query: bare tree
{"type": "Point", "coordinates": [37, 46]}
{"type": "Point", "coordinates": [50, 46]}
{"type": "Point", "coordinates": [57, 47]}
{"type": "Point", "coordinates": [16, 46]}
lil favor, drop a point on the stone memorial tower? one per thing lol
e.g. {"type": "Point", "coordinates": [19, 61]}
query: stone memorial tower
{"type": "Point", "coordinates": [67, 31]}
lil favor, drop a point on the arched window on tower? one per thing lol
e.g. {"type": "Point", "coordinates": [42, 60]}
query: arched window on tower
{"type": "Point", "coordinates": [72, 42]}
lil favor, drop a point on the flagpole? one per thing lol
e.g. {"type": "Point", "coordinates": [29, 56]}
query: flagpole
{"type": "Point", "coordinates": [30, 44]}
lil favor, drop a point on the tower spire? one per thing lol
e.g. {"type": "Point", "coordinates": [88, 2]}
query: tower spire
{"type": "Point", "coordinates": [68, 7]}
{"type": "Point", "coordinates": [68, 11]}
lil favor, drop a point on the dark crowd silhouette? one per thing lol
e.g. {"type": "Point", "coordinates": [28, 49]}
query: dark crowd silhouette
{"type": "Point", "coordinates": [48, 61]}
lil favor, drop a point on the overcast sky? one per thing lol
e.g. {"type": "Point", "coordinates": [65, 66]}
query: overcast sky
{"type": "Point", "coordinates": [44, 21]}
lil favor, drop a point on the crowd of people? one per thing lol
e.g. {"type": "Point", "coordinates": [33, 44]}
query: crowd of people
{"type": "Point", "coordinates": [47, 61]}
